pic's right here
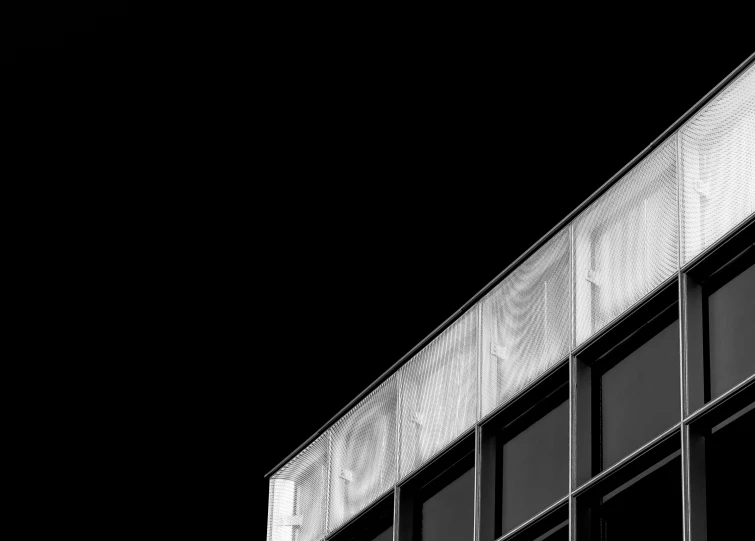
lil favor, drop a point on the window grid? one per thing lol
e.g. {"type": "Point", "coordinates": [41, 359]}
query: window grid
{"type": "Point", "coordinates": [682, 427]}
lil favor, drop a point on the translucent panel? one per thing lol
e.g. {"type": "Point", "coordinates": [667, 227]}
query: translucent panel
{"type": "Point", "coordinates": [298, 493]}
{"type": "Point", "coordinates": [718, 166]}
{"type": "Point", "coordinates": [363, 454]}
{"type": "Point", "coordinates": [526, 323]}
{"type": "Point", "coordinates": [626, 242]}
{"type": "Point", "coordinates": [439, 393]}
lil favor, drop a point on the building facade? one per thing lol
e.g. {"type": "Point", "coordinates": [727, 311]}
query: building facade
{"type": "Point", "coordinates": [603, 388]}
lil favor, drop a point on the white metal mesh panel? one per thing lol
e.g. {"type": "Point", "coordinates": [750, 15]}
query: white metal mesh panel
{"type": "Point", "coordinates": [439, 393]}
{"type": "Point", "coordinates": [626, 242]}
{"type": "Point", "coordinates": [298, 494]}
{"type": "Point", "coordinates": [526, 323]}
{"type": "Point", "coordinates": [718, 166]}
{"type": "Point", "coordinates": [363, 454]}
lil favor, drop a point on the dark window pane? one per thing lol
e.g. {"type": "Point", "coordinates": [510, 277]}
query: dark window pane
{"type": "Point", "coordinates": [387, 535]}
{"type": "Point", "coordinates": [535, 467]}
{"type": "Point", "coordinates": [730, 478]}
{"type": "Point", "coordinates": [651, 508]}
{"type": "Point", "coordinates": [640, 396]}
{"type": "Point", "coordinates": [449, 514]}
{"type": "Point", "coordinates": [559, 535]}
{"type": "Point", "coordinates": [731, 328]}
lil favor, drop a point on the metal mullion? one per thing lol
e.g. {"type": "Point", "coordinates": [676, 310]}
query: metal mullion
{"type": "Point", "coordinates": [477, 461]}
{"type": "Point", "coordinates": [572, 389]}
{"type": "Point", "coordinates": [683, 406]}
{"type": "Point", "coordinates": [683, 386]}
{"type": "Point", "coordinates": [396, 517]}
{"type": "Point", "coordinates": [572, 446]}
{"type": "Point", "coordinates": [477, 448]}
{"type": "Point", "coordinates": [399, 405]}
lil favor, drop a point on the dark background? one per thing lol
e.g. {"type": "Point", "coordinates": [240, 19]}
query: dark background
{"type": "Point", "coordinates": [364, 172]}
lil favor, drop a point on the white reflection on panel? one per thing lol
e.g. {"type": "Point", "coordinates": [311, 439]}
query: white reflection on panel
{"type": "Point", "coordinates": [626, 242]}
{"type": "Point", "coordinates": [439, 393]}
{"type": "Point", "coordinates": [718, 166]}
{"type": "Point", "coordinates": [298, 492]}
{"type": "Point", "coordinates": [526, 323]}
{"type": "Point", "coordinates": [363, 455]}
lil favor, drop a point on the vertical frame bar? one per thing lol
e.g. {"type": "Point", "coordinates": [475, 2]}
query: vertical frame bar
{"type": "Point", "coordinates": [684, 433]}
{"type": "Point", "coordinates": [396, 491]}
{"type": "Point", "coordinates": [477, 442]}
{"type": "Point", "coordinates": [477, 463]}
{"type": "Point", "coordinates": [396, 515]}
{"type": "Point", "coordinates": [572, 447]}
{"type": "Point", "coordinates": [572, 394]}
{"type": "Point", "coordinates": [328, 466]}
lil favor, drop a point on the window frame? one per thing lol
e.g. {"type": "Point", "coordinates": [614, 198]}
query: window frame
{"type": "Point", "coordinates": [602, 353]}
{"type": "Point", "coordinates": [547, 393]}
{"type": "Point", "coordinates": [430, 479]}
{"type": "Point", "coordinates": [700, 279]}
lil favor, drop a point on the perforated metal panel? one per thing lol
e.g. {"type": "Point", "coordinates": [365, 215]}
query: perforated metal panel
{"type": "Point", "coordinates": [363, 454]}
{"type": "Point", "coordinates": [298, 496]}
{"type": "Point", "coordinates": [718, 166]}
{"type": "Point", "coordinates": [626, 242]}
{"type": "Point", "coordinates": [439, 393]}
{"type": "Point", "coordinates": [526, 323]}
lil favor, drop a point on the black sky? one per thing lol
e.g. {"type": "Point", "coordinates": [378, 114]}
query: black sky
{"type": "Point", "coordinates": [419, 171]}
{"type": "Point", "coordinates": [409, 179]}
{"type": "Point", "coordinates": [380, 167]}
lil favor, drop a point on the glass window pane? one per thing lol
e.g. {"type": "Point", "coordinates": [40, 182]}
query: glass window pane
{"type": "Point", "coordinates": [640, 396]}
{"type": "Point", "coordinates": [651, 508]}
{"type": "Point", "coordinates": [535, 467]}
{"type": "Point", "coordinates": [448, 515]}
{"type": "Point", "coordinates": [729, 464]}
{"type": "Point", "coordinates": [559, 535]}
{"type": "Point", "coordinates": [387, 535]}
{"type": "Point", "coordinates": [731, 329]}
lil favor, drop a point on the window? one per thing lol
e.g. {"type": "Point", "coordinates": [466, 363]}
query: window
{"type": "Point", "coordinates": [640, 499]}
{"type": "Point", "coordinates": [720, 292]}
{"type": "Point", "coordinates": [376, 524]}
{"type": "Point", "coordinates": [525, 456]}
{"type": "Point", "coordinates": [650, 508]}
{"type": "Point", "coordinates": [731, 327]}
{"type": "Point", "coordinates": [628, 384]}
{"type": "Point", "coordinates": [729, 454]}
{"type": "Point", "coordinates": [448, 507]}
{"type": "Point", "coordinates": [640, 396]}
{"type": "Point", "coordinates": [437, 504]}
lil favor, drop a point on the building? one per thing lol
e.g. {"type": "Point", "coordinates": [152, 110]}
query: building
{"type": "Point", "coordinates": [603, 389]}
